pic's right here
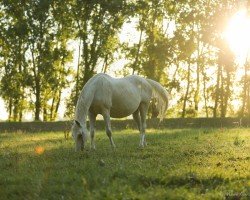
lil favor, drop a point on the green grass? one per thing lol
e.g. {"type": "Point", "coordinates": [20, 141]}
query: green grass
{"type": "Point", "coordinates": [176, 164]}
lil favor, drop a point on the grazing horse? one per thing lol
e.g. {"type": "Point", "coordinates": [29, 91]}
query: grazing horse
{"type": "Point", "coordinates": [116, 97]}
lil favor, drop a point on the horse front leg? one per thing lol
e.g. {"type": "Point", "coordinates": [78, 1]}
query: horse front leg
{"type": "Point", "coordinates": [92, 120]}
{"type": "Point", "coordinates": [106, 117]}
{"type": "Point", "coordinates": [79, 143]}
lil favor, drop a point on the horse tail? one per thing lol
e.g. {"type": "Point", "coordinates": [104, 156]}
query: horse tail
{"type": "Point", "coordinates": [161, 96]}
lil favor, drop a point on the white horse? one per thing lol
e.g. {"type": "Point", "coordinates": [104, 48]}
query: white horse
{"type": "Point", "coordinates": [116, 97]}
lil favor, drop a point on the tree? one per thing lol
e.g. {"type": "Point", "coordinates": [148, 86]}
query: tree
{"type": "Point", "coordinates": [34, 36]}
{"type": "Point", "coordinates": [226, 73]}
{"type": "Point", "coordinates": [96, 24]}
{"type": "Point", "coordinates": [48, 35]}
{"type": "Point", "coordinates": [13, 39]}
{"type": "Point", "coordinates": [150, 56]}
{"type": "Point", "coordinates": [179, 45]}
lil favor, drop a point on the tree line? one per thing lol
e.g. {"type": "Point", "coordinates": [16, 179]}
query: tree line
{"type": "Point", "coordinates": [180, 44]}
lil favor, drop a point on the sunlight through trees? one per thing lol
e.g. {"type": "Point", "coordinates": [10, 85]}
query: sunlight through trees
{"type": "Point", "coordinates": [197, 49]}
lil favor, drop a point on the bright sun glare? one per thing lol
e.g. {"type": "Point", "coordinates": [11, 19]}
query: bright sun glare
{"type": "Point", "coordinates": [238, 35]}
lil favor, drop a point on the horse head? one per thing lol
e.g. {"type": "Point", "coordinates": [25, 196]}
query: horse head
{"type": "Point", "coordinates": [79, 133]}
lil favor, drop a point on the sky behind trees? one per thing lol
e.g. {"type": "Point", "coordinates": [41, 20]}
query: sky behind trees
{"type": "Point", "coordinates": [196, 49]}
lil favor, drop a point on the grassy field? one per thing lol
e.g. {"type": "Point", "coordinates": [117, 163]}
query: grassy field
{"type": "Point", "coordinates": [176, 164]}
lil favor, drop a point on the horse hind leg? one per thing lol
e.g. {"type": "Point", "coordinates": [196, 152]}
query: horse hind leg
{"type": "Point", "coordinates": [137, 118]}
{"type": "Point", "coordinates": [106, 117]}
{"type": "Point", "coordinates": [143, 112]}
{"type": "Point", "coordinates": [92, 120]}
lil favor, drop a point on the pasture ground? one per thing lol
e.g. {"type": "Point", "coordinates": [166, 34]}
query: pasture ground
{"type": "Point", "coordinates": [176, 164]}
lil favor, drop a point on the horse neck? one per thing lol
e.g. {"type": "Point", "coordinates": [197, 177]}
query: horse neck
{"type": "Point", "coordinates": [81, 113]}
{"type": "Point", "coordinates": [83, 105]}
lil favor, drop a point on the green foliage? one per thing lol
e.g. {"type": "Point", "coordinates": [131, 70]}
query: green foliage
{"type": "Point", "coordinates": [180, 45]}
{"type": "Point", "coordinates": [176, 164]}
{"type": "Point", "coordinates": [13, 38]}
{"type": "Point", "coordinates": [35, 55]}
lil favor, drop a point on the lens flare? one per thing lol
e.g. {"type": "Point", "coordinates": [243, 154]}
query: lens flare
{"type": "Point", "coordinates": [39, 150]}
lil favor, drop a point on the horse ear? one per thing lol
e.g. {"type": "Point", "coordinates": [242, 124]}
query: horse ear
{"type": "Point", "coordinates": [78, 124]}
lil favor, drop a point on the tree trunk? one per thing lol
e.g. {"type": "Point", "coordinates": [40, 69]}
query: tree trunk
{"type": "Point", "coordinates": [20, 116]}
{"type": "Point", "coordinates": [45, 116]}
{"type": "Point", "coordinates": [77, 72]}
{"type": "Point", "coordinates": [38, 101]}
{"type": "Point", "coordinates": [222, 96]}
{"type": "Point", "coordinates": [137, 53]}
{"type": "Point", "coordinates": [197, 92]}
{"type": "Point", "coordinates": [105, 64]}
{"type": "Point", "coordinates": [216, 101]}
{"type": "Point", "coordinates": [85, 54]}
{"type": "Point", "coordinates": [226, 96]}
{"type": "Point", "coordinates": [58, 104]}
{"type": "Point", "coordinates": [15, 110]}
{"type": "Point", "coordinates": [37, 88]}
{"type": "Point", "coordinates": [187, 92]}
{"type": "Point", "coordinates": [52, 109]}
{"type": "Point", "coordinates": [204, 91]}
{"type": "Point", "coordinates": [10, 109]}
{"type": "Point", "coordinates": [244, 92]}
{"type": "Point", "coordinates": [248, 100]}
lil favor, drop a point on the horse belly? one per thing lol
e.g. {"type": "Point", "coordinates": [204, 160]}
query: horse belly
{"type": "Point", "coordinates": [125, 104]}
{"type": "Point", "coordinates": [120, 113]}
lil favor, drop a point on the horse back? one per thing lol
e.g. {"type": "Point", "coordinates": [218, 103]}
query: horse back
{"type": "Point", "coordinates": [121, 95]}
